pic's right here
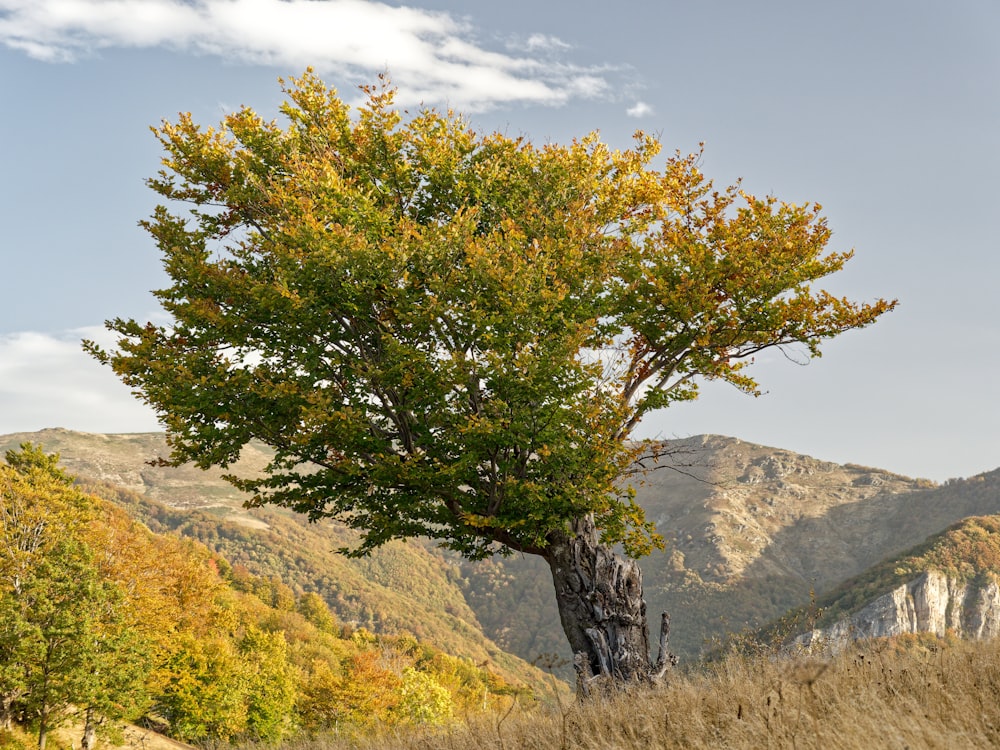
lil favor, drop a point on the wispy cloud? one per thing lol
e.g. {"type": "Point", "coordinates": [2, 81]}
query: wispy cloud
{"type": "Point", "coordinates": [432, 56]}
{"type": "Point", "coordinates": [639, 109]}
{"type": "Point", "coordinates": [48, 381]}
{"type": "Point", "coordinates": [538, 43]}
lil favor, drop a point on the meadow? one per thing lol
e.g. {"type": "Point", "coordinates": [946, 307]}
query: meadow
{"type": "Point", "coordinates": [911, 692]}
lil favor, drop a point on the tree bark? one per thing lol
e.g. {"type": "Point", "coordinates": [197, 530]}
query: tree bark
{"type": "Point", "coordinates": [603, 613]}
{"type": "Point", "coordinates": [89, 739]}
{"type": "Point", "coordinates": [7, 711]}
{"type": "Point", "coordinates": [43, 730]}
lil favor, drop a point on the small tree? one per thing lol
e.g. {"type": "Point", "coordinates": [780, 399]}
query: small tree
{"type": "Point", "coordinates": [453, 335]}
{"type": "Point", "coordinates": [65, 640]}
{"type": "Point", "coordinates": [61, 601]}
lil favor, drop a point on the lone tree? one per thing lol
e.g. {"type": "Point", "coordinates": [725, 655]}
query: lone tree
{"type": "Point", "coordinates": [453, 335]}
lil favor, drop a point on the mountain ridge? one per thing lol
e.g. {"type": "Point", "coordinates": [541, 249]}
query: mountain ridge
{"type": "Point", "coordinates": [751, 530]}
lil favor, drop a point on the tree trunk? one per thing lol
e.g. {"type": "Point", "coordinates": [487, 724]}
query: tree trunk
{"type": "Point", "coordinates": [7, 711]}
{"type": "Point", "coordinates": [89, 739]}
{"type": "Point", "coordinates": [603, 614]}
{"type": "Point", "coordinates": [43, 730]}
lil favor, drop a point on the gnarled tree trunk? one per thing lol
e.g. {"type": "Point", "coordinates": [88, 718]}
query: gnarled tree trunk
{"type": "Point", "coordinates": [599, 594]}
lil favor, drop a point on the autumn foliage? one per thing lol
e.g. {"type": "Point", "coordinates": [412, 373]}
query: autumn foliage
{"type": "Point", "coordinates": [455, 332]}
{"type": "Point", "coordinates": [102, 621]}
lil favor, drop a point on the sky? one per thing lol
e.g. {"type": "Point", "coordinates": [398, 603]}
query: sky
{"type": "Point", "coordinates": [887, 113]}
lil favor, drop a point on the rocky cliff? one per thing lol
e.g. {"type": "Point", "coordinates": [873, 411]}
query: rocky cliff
{"type": "Point", "coordinates": [932, 603]}
{"type": "Point", "coordinates": [950, 584]}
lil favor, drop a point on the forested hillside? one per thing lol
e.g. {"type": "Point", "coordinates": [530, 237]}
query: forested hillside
{"type": "Point", "coordinates": [103, 620]}
{"type": "Point", "coordinates": [413, 588]}
{"type": "Point", "coordinates": [402, 588]}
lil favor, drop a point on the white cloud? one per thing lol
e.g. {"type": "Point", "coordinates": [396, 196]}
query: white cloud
{"type": "Point", "coordinates": [431, 56]}
{"type": "Point", "coordinates": [539, 43]}
{"type": "Point", "coordinates": [639, 109]}
{"type": "Point", "coordinates": [49, 381]}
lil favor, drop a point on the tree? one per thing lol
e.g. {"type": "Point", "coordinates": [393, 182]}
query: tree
{"type": "Point", "coordinates": [36, 504]}
{"type": "Point", "coordinates": [203, 697]}
{"type": "Point", "coordinates": [315, 609]}
{"type": "Point", "coordinates": [453, 335]}
{"type": "Point", "coordinates": [268, 684]}
{"type": "Point", "coordinates": [423, 699]}
{"type": "Point", "coordinates": [61, 603]}
{"type": "Point", "coordinates": [64, 638]}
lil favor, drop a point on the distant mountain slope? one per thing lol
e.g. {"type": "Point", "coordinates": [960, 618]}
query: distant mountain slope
{"type": "Point", "coordinates": [948, 583]}
{"type": "Point", "coordinates": [749, 529]}
{"type": "Point", "coordinates": [401, 588]}
{"type": "Point", "coordinates": [775, 525]}
{"type": "Point", "coordinates": [125, 460]}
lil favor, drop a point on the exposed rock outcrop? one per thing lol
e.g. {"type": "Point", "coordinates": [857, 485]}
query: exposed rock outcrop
{"type": "Point", "coordinates": [931, 603]}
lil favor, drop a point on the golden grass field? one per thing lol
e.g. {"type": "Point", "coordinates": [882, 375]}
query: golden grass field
{"type": "Point", "coordinates": [911, 694]}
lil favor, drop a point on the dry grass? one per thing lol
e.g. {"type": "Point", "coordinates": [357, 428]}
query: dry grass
{"type": "Point", "coordinates": [68, 736]}
{"type": "Point", "coordinates": [877, 695]}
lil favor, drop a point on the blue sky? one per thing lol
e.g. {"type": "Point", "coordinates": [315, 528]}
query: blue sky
{"type": "Point", "coordinates": [887, 113]}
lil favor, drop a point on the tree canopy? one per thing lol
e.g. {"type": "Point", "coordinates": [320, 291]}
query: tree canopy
{"type": "Point", "coordinates": [66, 637]}
{"type": "Point", "coordinates": [103, 621]}
{"type": "Point", "coordinates": [449, 334]}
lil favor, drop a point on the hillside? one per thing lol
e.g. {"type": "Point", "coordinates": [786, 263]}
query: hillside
{"type": "Point", "coordinates": [750, 530]}
{"type": "Point", "coordinates": [780, 525]}
{"type": "Point", "coordinates": [106, 621]}
{"type": "Point", "coordinates": [950, 583]}
{"type": "Point", "coordinates": [402, 588]}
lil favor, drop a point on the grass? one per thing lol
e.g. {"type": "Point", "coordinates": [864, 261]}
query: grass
{"type": "Point", "coordinates": [67, 737]}
{"type": "Point", "coordinates": [901, 693]}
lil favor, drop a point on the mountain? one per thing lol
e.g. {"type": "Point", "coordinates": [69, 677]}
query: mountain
{"type": "Point", "coordinates": [750, 532]}
{"type": "Point", "coordinates": [949, 584]}
{"type": "Point", "coordinates": [777, 527]}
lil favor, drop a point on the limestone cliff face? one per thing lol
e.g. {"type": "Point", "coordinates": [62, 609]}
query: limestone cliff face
{"type": "Point", "coordinates": [931, 603]}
